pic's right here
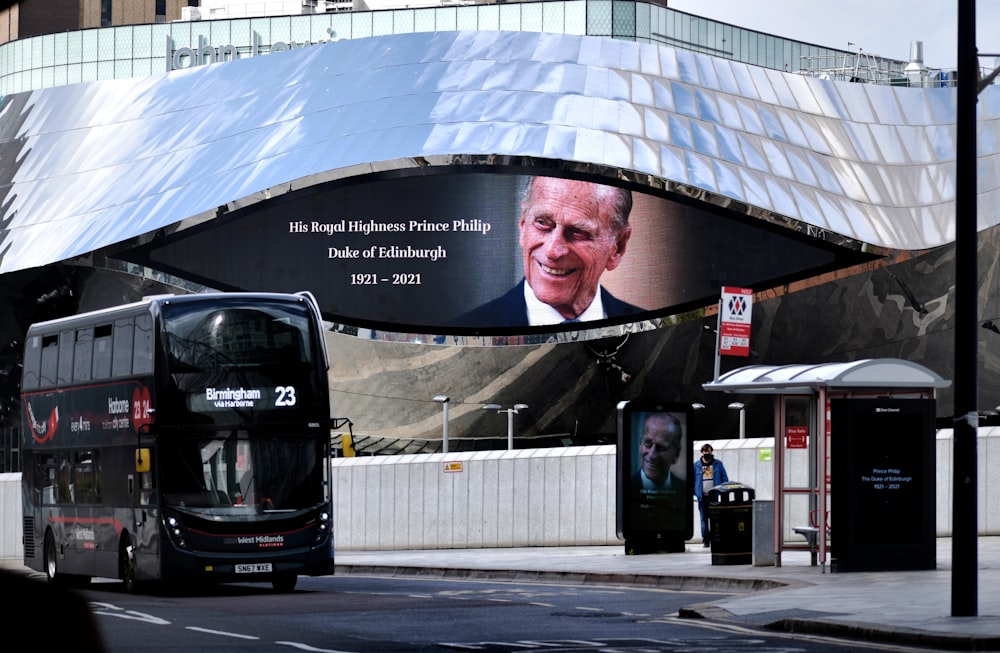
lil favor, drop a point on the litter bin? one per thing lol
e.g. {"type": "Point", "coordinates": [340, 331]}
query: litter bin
{"type": "Point", "coordinates": [730, 523]}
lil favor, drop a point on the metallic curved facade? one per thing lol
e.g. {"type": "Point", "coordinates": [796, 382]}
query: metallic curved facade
{"type": "Point", "coordinates": [88, 171]}
{"type": "Point", "coordinates": [871, 164]}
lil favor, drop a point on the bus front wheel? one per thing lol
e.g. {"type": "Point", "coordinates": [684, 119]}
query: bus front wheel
{"type": "Point", "coordinates": [126, 566]}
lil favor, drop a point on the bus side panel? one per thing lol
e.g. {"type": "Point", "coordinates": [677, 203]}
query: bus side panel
{"type": "Point", "coordinates": [33, 528]}
{"type": "Point", "coordinates": [149, 565]}
{"type": "Point", "coordinates": [80, 532]}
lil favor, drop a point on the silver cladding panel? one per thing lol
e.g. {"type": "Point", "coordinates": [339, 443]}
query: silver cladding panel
{"type": "Point", "coordinates": [90, 165]}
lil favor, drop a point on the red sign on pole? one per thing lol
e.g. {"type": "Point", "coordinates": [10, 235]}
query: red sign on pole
{"type": "Point", "coordinates": [734, 321]}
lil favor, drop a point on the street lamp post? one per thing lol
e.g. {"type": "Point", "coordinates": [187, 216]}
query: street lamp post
{"type": "Point", "coordinates": [510, 419]}
{"type": "Point", "coordinates": [444, 401]}
{"type": "Point", "coordinates": [736, 405]}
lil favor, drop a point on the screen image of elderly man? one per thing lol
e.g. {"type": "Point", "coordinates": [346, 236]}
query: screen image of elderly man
{"type": "Point", "coordinates": [657, 496]}
{"type": "Point", "coordinates": [570, 233]}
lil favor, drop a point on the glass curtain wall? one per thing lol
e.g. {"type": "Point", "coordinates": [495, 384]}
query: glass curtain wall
{"type": "Point", "coordinates": [142, 50]}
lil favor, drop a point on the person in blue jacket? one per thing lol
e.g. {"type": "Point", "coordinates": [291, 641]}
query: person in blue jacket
{"type": "Point", "coordinates": [708, 472]}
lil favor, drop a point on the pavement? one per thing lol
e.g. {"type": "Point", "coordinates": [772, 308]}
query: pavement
{"type": "Point", "coordinates": [900, 607]}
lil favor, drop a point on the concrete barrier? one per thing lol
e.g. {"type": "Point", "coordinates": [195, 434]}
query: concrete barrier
{"type": "Point", "coordinates": [11, 534]}
{"type": "Point", "coordinates": [526, 497]}
{"type": "Point", "coordinates": [535, 497]}
{"type": "Point", "coordinates": [566, 497]}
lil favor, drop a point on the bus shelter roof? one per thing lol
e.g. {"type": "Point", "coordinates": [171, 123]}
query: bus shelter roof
{"type": "Point", "coordinates": [888, 373]}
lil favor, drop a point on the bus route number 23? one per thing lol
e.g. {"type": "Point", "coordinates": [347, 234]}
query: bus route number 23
{"type": "Point", "coordinates": [285, 395]}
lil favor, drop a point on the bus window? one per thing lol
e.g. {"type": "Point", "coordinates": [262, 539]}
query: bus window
{"type": "Point", "coordinates": [83, 354]}
{"type": "Point", "coordinates": [121, 357]}
{"type": "Point", "coordinates": [50, 358]}
{"type": "Point", "coordinates": [45, 478]}
{"type": "Point", "coordinates": [102, 352]}
{"type": "Point", "coordinates": [56, 478]}
{"type": "Point", "coordinates": [66, 345]}
{"type": "Point", "coordinates": [87, 477]}
{"type": "Point", "coordinates": [32, 363]}
{"type": "Point", "coordinates": [142, 352]}
{"type": "Point", "coordinates": [64, 481]}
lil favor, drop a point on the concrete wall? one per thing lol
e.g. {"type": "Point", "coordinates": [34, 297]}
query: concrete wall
{"type": "Point", "coordinates": [11, 545]}
{"type": "Point", "coordinates": [527, 497]}
{"type": "Point", "coordinates": [566, 497]}
{"type": "Point", "coordinates": [535, 497]}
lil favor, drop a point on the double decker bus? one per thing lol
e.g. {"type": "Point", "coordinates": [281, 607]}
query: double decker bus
{"type": "Point", "coordinates": [180, 438]}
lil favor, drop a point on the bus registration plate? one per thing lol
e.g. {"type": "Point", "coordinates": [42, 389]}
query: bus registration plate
{"type": "Point", "coordinates": [255, 568]}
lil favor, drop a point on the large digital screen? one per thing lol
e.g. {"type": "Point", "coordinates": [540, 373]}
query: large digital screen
{"type": "Point", "coordinates": [469, 251]}
{"type": "Point", "coordinates": [883, 484]}
{"type": "Point", "coordinates": [655, 465]}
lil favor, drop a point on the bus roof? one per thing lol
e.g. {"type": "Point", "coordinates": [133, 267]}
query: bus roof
{"type": "Point", "coordinates": [145, 303]}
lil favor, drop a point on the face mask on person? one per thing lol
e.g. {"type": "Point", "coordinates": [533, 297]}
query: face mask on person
{"type": "Point", "coordinates": [707, 457]}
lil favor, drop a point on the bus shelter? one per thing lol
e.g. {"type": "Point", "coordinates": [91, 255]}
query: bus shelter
{"type": "Point", "coordinates": [867, 428]}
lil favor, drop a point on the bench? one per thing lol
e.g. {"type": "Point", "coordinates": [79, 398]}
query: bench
{"type": "Point", "coordinates": [811, 533]}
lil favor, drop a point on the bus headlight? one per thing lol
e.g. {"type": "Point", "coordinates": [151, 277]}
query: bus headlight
{"type": "Point", "coordinates": [322, 525]}
{"type": "Point", "coordinates": [175, 532]}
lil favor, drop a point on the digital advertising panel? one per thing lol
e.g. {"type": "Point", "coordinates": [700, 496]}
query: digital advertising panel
{"type": "Point", "coordinates": [883, 484]}
{"type": "Point", "coordinates": [655, 484]}
{"type": "Point", "coordinates": [455, 251]}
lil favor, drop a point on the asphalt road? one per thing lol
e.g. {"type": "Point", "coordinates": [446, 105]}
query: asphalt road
{"type": "Point", "coordinates": [360, 614]}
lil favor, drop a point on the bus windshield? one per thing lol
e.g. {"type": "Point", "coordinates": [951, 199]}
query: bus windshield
{"type": "Point", "coordinates": [206, 340]}
{"type": "Point", "coordinates": [236, 363]}
{"type": "Point", "coordinates": [236, 474]}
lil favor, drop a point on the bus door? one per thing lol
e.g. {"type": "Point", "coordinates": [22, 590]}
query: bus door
{"type": "Point", "coordinates": [143, 504]}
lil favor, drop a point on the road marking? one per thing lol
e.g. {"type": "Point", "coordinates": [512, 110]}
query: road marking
{"type": "Point", "coordinates": [306, 647]}
{"type": "Point", "coordinates": [110, 610]}
{"type": "Point", "coordinates": [220, 632]}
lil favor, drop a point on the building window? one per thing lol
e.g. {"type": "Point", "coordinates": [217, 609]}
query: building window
{"type": "Point", "coordinates": [161, 7]}
{"type": "Point", "coordinates": [105, 13]}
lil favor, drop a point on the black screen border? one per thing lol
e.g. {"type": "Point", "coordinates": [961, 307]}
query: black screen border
{"type": "Point", "coordinates": [629, 412]}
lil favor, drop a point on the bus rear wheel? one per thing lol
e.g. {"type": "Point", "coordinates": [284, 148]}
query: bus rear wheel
{"type": "Point", "coordinates": [284, 582]}
{"type": "Point", "coordinates": [51, 568]}
{"type": "Point", "coordinates": [52, 572]}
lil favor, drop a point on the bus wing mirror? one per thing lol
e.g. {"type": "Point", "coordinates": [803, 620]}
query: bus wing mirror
{"type": "Point", "coordinates": [142, 459]}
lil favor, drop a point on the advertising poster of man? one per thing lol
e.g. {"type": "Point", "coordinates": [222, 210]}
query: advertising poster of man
{"type": "Point", "coordinates": [655, 490]}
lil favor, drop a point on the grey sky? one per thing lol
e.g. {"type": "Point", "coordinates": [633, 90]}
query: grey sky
{"type": "Point", "coordinates": [880, 27]}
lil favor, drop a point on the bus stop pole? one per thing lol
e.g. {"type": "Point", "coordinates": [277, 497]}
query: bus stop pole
{"type": "Point", "coordinates": [964, 558]}
{"type": "Point", "coordinates": [718, 342]}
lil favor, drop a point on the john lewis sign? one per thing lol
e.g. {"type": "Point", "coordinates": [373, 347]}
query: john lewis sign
{"type": "Point", "coordinates": [206, 53]}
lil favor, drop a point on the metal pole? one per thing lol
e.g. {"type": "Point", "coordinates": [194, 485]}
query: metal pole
{"type": "Point", "coordinates": [444, 400]}
{"type": "Point", "coordinates": [743, 423]}
{"type": "Point", "coordinates": [444, 432]}
{"type": "Point", "coordinates": [510, 429]}
{"type": "Point", "coordinates": [964, 522]}
{"type": "Point", "coordinates": [718, 342]}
